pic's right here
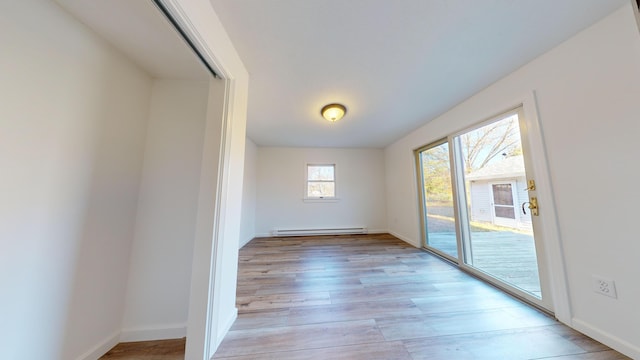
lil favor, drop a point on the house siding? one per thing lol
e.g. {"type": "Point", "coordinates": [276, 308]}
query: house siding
{"type": "Point", "coordinates": [480, 193]}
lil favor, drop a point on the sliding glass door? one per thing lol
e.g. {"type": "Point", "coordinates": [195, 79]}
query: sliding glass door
{"type": "Point", "coordinates": [478, 201]}
{"type": "Point", "coordinates": [500, 240]}
{"type": "Point", "coordinates": [436, 193]}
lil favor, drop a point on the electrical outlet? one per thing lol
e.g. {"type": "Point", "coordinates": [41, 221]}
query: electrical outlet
{"type": "Point", "coordinates": [604, 286]}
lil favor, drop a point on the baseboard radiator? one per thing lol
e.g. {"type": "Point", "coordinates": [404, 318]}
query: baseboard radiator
{"type": "Point", "coordinates": [326, 231]}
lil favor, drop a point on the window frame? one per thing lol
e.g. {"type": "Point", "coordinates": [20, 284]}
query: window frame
{"type": "Point", "coordinates": [307, 197]}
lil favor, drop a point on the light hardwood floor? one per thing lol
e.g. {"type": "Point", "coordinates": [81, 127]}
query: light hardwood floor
{"type": "Point", "coordinates": [147, 350]}
{"type": "Point", "coordinates": [376, 297]}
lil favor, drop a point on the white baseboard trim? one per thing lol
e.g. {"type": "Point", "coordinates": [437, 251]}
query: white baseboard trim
{"type": "Point", "coordinates": [404, 238]}
{"type": "Point", "coordinates": [613, 342]}
{"type": "Point", "coordinates": [160, 332]}
{"type": "Point", "coordinates": [227, 326]}
{"type": "Point", "coordinates": [374, 231]}
{"type": "Point", "coordinates": [97, 351]}
{"type": "Point", "coordinates": [378, 231]}
{"type": "Point", "coordinates": [245, 242]}
{"type": "Point", "coordinates": [319, 231]}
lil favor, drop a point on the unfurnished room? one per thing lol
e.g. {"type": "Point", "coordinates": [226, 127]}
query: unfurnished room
{"type": "Point", "coordinates": [319, 179]}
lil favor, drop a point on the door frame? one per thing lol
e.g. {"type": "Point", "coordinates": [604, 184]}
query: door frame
{"type": "Point", "coordinates": [545, 302]}
{"type": "Point", "coordinates": [424, 243]}
{"type": "Point", "coordinates": [546, 225]}
{"type": "Point", "coordinates": [547, 222]}
{"type": "Point", "coordinates": [212, 309]}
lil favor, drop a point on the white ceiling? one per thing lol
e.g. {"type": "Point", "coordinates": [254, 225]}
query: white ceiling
{"type": "Point", "coordinates": [395, 64]}
{"type": "Point", "coordinates": [139, 30]}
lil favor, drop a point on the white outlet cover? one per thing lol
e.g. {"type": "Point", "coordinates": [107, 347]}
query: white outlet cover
{"type": "Point", "coordinates": [604, 286]}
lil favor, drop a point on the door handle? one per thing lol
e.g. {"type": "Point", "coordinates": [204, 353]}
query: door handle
{"type": "Point", "coordinates": [533, 206]}
{"type": "Point", "coordinates": [531, 185]}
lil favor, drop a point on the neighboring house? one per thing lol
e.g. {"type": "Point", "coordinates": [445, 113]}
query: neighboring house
{"type": "Point", "coordinates": [497, 192]}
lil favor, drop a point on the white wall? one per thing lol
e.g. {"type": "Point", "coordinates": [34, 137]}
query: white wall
{"type": "Point", "coordinates": [281, 187]}
{"type": "Point", "coordinates": [157, 299]}
{"type": "Point", "coordinates": [248, 227]}
{"type": "Point", "coordinates": [72, 125]}
{"type": "Point", "coordinates": [587, 94]}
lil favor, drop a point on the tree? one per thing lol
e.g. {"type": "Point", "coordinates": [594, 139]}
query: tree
{"type": "Point", "coordinates": [435, 165]}
{"type": "Point", "coordinates": [482, 145]}
{"type": "Point", "coordinates": [479, 147]}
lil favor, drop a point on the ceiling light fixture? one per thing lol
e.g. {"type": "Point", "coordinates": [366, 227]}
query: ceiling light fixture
{"type": "Point", "coordinates": [333, 112]}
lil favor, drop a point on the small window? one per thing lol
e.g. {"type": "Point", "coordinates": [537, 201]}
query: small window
{"type": "Point", "coordinates": [321, 181]}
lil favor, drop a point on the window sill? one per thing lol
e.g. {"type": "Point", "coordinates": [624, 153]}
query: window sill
{"type": "Point", "coordinates": [321, 200]}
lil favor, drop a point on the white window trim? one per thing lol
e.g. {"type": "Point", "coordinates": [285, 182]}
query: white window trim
{"type": "Point", "coordinates": [327, 199]}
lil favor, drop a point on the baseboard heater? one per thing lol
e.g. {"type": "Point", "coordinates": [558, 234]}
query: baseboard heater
{"type": "Point", "coordinates": [327, 231]}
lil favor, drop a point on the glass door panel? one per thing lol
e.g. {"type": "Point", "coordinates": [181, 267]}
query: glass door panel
{"type": "Point", "coordinates": [439, 223]}
{"type": "Point", "coordinates": [498, 236]}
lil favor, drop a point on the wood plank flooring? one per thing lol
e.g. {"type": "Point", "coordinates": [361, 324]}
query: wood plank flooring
{"type": "Point", "coordinates": [376, 297]}
{"type": "Point", "coordinates": [147, 350]}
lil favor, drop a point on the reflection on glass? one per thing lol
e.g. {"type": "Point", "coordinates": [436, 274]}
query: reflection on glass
{"type": "Point", "coordinates": [438, 197]}
{"type": "Point", "coordinates": [501, 241]}
{"type": "Point", "coordinates": [320, 172]}
{"type": "Point", "coordinates": [321, 189]}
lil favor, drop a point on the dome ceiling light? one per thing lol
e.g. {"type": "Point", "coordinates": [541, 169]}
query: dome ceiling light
{"type": "Point", "coordinates": [333, 112]}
